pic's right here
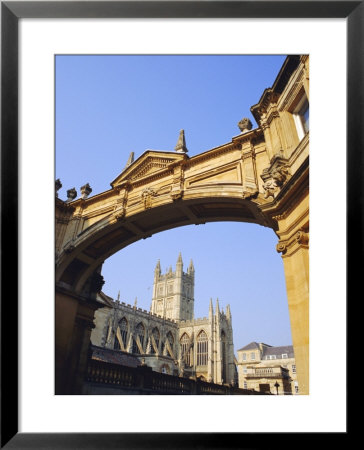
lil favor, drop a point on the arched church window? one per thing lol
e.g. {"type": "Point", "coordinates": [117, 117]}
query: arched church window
{"type": "Point", "coordinates": [223, 354]}
{"type": "Point", "coordinates": [185, 349]}
{"type": "Point", "coordinates": [171, 341]}
{"type": "Point", "coordinates": [156, 336]}
{"type": "Point", "coordinates": [140, 332]}
{"type": "Point", "coordinates": [202, 349]}
{"type": "Point", "coordinates": [116, 344]}
{"type": "Point", "coordinates": [123, 325]}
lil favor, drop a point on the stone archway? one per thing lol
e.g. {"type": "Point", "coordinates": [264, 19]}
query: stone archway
{"type": "Point", "coordinates": [261, 177]}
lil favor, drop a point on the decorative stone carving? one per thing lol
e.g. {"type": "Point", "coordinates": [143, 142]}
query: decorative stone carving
{"type": "Point", "coordinates": [176, 194]}
{"type": "Point", "coordinates": [302, 237]}
{"type": "Point", "coordinates": [119, 214]}
{"type": "Point", "coordinates": [245, 125]}
{"type": "Point", "coordinates": [71, 194]}
{"type": "Point", "coordinates": [85, 190]}
{"type": "Point", "coordinates": [281, 247]}
{"type": "Point", "coordinates": [147, 197]}
{"type": "Point", "coordinates": [250, 194]}
{"type": "Point", "coordinates": [275, 176]}
{"type": "Point", "coordinates": [58, 186]}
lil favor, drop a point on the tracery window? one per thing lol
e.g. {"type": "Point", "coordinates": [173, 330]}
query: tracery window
{"type": "Point", "coordinates": [223, 354]}
{"type": "Point", "coordinates": [171, 341]}
{"type": "Point", "coordinates": [123, 325]}
{"type": "Point", "coordinates": [185, 349]}
{"type": "Point", "coordinates": [156, 336]}
{"type": "Point", "coordinates": [202, 349]}
{"type": "Point", "coordinates": [139, 331]}
{"type": "Point", "coordinates": [116, 344]}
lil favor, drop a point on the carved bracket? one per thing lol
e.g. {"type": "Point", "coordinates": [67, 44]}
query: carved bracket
{"type": "Point", "coordinates": [275, 176]}
{"type": "Point", "coordinates": [176, 193]}
{"type": "Point", "coordinates": [119, 214]}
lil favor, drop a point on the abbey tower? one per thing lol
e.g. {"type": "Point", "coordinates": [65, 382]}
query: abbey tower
{"type": "Point", "coordinates": [173, 292]}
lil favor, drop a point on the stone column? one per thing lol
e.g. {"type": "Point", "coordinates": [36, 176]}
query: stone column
{"type": "Point", "coordinates": [294, 251]}
{"type": "Point", "coordinates": [74, 322]}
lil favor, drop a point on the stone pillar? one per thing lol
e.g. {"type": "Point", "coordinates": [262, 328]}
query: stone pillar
{"type": "Point", "coordinates": [295, 254]}
{"type": "Point", "coordinates": [74, 322]}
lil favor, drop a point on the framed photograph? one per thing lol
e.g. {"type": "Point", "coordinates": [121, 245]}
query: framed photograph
{"type": "Point", "coordinates": [33, 33]}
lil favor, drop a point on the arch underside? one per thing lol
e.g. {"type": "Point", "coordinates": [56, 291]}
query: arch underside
{"type": "Point", "coordinates": [101, 240]}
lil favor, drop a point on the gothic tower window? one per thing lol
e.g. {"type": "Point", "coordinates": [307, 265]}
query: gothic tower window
{"type": "Point", "coordinates": [185, 349]}
{"type": "Point", "coordinates": [156, 336]}
{"type": "Point", "coordinates": [202, 349]}
{"type": "Point", "coordinates": [123, 325]}
{"type": "Point", "coordinates": [139, 332]}
{"type": "Point", "coordinates": [223, 354]}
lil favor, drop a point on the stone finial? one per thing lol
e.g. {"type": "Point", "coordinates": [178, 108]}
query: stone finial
{"type": "Point", "coordinates": [130, 160]}
{"type": "Point", "coordinates": [245, 125]}
{"type": "Point", "coordinates": [58, 186]}
{"type": "Point", "coordinates": [86, 190]}
{"type": "Point", "coordinates": [181, 143]}
{"type": "Point", "coordinates": [71, 194]}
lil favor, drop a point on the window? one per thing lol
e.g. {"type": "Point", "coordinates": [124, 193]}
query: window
{"type": "Point", "coordinates": [245, 385]}
{"type": "Point", "coordinates": [296, 387]}
{"type": "Point", "coordinates": [170, 341]}
{"type": "Point", "coordinates": [244, 356]}
{"type": "Point", "coordinates": [116, 344]}
{"type": "Point", "coordinates": [156, 337]}
{"type": "Point", "coordinates": [185, 349]}
{"type": "Point", "coordinates": [252, 356]}
{"type": "Point", "coordinates": [284, 355]}
{"type": "Point", "coordinates": [169, 304]}
{"type": "Point", "coordinates": [202, 349]}
{"type": "Point", "coordinates": [245, 370]}
{"type": "Point", "coordinates": [301, 117]}
{"type": "Point", "coordinates": [139, 331]}
{"type": "Point", "coordinates": [223, 354]}
{"type": "Point", "coordinates": [170, 288]}
{"type": "Point", "coordinates": [123, 325]}
{"type": "Point", "coordinates": [293, 368]}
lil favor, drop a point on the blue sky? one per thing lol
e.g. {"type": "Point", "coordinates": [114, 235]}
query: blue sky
{"type": "Point", "coordinates": [109, 106]}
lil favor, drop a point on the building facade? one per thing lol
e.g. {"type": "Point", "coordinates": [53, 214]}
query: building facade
{"type": "Point", "coordinates": [267, 369]}
{"type": "Point", "coordinates": [168, 338]}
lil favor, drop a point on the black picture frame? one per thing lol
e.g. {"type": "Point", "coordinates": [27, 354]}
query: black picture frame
{"type": "Point", "coordinates": [11, 12]}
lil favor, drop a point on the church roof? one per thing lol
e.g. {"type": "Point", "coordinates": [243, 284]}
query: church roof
{"type": "Point", "coordinates": [114, 356]}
